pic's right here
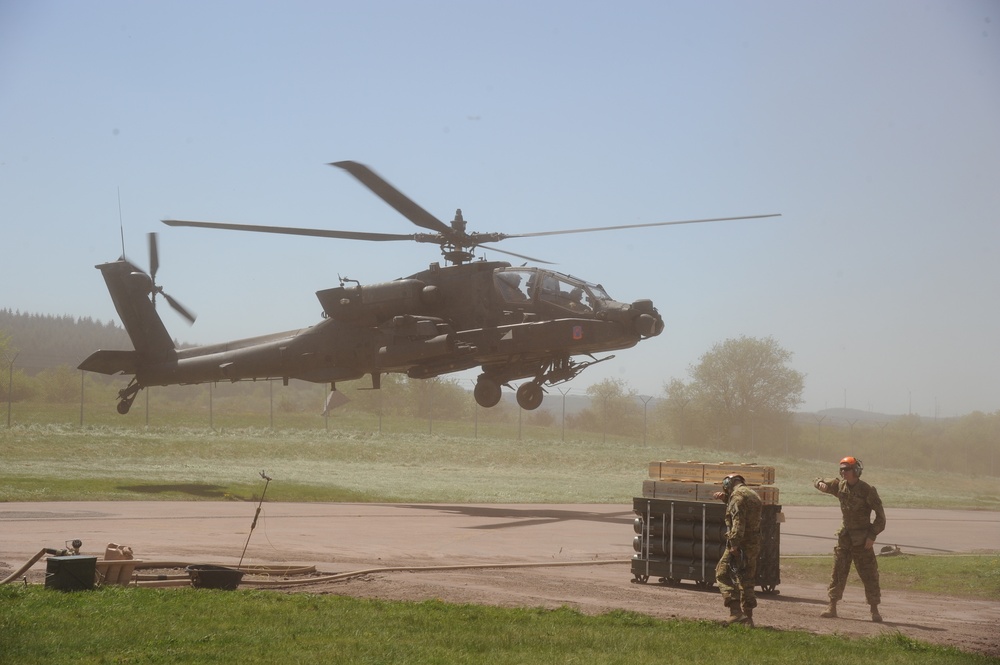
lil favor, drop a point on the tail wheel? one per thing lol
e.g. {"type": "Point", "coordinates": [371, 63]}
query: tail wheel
{"type": "Point", "coordinates": [127, 395]}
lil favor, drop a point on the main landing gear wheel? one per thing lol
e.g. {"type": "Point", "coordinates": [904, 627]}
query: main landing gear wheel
{"type": "Point", "coordinates": [529, 396]}
{"type": "Point", "coordinates": [487, 392]}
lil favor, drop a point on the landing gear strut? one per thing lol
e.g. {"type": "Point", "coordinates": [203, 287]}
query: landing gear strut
{"type": "Point", "coordinates": [127, 395]}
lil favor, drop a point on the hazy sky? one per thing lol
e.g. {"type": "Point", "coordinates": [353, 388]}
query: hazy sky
{"type": "Point", "coordinates": [873, 127]}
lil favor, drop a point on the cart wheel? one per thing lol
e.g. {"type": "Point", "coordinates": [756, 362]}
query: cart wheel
{"type": "Point", "coordinates": [640, 579]}
{"type": "Point", "coordinates": [769, 589]}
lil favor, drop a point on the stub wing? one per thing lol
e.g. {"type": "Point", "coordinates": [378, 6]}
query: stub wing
{"type": "Point", "coordinates": [110, 362]}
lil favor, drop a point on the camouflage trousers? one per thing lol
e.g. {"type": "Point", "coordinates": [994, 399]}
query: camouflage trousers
{"type": "Point", "coordinates": [738, 587]}
{"type": "Point", "coordinates": [846, 553]}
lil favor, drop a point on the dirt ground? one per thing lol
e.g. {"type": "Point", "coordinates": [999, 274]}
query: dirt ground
{"type": "Point", "coordinates": [580, 556]}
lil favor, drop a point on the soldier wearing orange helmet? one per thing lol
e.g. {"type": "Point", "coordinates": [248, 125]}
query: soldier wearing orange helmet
{"type": "Point", "coordinates": [856, 538]}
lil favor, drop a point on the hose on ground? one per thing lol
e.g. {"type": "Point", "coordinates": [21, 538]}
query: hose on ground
{"type": "Point", "coordinates": [23, 569]}
{"type": "Point", "coordinates": [166, 580]}
{"type": "Point", "coordinates": [340, 577]}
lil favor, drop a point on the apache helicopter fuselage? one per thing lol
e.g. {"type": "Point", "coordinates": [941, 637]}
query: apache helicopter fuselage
{"type": "Point", "coordinates": [515, 323]}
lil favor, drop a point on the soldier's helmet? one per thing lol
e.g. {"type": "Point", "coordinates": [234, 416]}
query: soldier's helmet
{"type": "Point", "coordinates": [851, 463]}
{"type": "Point", "coordinates": [730, 482]}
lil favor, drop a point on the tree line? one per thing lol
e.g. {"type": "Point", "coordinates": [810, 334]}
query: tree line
{"type": "Point", "coordinates": [740, 399]}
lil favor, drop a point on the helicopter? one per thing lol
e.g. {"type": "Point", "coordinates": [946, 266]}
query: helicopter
{"type": "Point", "coordinates": [515, 323]}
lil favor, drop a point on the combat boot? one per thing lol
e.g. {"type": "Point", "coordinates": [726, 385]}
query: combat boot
{"type": "Point", "coordinates": [747, 619]}
{"type": "Point", "coordinates": [735, 616]}
{"type": "Point", "coordinates": [876, 617]}
{"type": "Point", "coordinates": [831, 611]}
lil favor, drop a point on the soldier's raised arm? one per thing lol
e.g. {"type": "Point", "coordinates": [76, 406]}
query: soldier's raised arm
{"type": "Point", "coordinates": [826, 485]}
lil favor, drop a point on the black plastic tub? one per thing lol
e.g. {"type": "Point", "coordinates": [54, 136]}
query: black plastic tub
{"type": "Point", "coordinates": [209, 576]}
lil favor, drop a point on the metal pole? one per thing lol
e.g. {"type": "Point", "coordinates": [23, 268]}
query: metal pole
{"type": "Point", "coordinates": [564, 393]}
{"type": "Point", "coordinates": [270, 385]}
{"type": "Point", "coordinates": [882, 427]}
{"type": "Point", "coordinates": [81, 398]}
{"type": "Point", "coordinates": [211, 407]}
{"type": "Point", "coordinates": [819, 428]}
{"type": "Point", "coordinates": [520, 415]}
{"type": "Point", "coordinates": [683, 405]}
{"type": "Point", "coordinates": [785, 432]}
{"type": "Point", "coordinates": [253, 524]}
{"type": "Point", "coordinates": [604, 438]}
{"type": "Point", "coordinates": [645, 403]}
{"type": "Point", "coordinates": [10, 387]}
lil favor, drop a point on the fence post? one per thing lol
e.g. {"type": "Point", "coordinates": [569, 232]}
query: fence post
{"type": "Point", "coordinates": [10, 387]}
{"type": "Point", "coordinates": [564, 393]}
{"type": "Point", "coordinates": [645, 403]}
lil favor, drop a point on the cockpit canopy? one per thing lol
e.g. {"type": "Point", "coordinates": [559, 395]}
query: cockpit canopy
{"type": "Point", "coordinates": [534, 285]}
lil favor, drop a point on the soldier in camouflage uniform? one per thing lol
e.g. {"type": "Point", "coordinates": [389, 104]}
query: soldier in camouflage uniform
{"type": "Point", "coordinates": [736, 573]}
{"type": "Point", "coordinates": [856, 538]}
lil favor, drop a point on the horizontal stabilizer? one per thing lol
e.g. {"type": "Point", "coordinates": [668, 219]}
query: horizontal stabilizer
{"type": "Point", "coordinates": [110, 362]}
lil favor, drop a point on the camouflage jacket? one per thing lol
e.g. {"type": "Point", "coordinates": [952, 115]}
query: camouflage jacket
{"type": "Point", "coordinates": [857, 505]}
{"type": "Point", "coordinates": [743, 518]}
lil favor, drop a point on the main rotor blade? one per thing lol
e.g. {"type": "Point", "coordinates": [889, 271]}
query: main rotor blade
{"type": "Point", "coordinates": [520, 256]}
{"type": "Point", "coordinates": [292, 231]}
{"type": "Point", "coordinates": [635, 226]}
{"type": "Point", "coordinates": [154, 257]}
{"type": "Point", "coordinates": [403, 204]}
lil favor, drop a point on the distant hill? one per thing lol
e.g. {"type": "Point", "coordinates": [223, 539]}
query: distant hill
{"type": "Point", "coordinates": [44, 341]}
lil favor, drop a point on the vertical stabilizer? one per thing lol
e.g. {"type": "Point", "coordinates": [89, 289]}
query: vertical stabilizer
{"type": "Point", "coordinates": [130, 290]}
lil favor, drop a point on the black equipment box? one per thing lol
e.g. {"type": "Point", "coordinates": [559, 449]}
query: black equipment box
{"type": "Point", "coordinates": [684, 540]}
{"type": "Point", "coordinates": [70, 573]}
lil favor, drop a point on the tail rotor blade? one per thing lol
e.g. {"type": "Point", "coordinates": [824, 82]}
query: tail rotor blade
{"type": "Point", "coordinates": [154, 265]}
{"type": "Point", "coordinates": [154, 256]}
{"type": "Point", "coordinates": [180, 309]}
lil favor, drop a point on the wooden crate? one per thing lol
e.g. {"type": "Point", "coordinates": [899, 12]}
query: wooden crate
{"type": "Point", "coordinates": [665, 489]}
{"type": "Point", "coordinates": [754, 474]}
{"type": "Point", "coordinates": [676, 470]}
{"type": "Point", "coordinates": [685, 491]}
{"type": "Point", "coordinates": [706, 472]}
{"type": "Point", "coordinates": [706, 492]}
{"type": "Point", "coordinates": [768, 495]}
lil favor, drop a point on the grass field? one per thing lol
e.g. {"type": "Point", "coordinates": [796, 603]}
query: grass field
{"type": "Point", "coordinates": [65, 462]}
{"type": "Point", "coordinates": [963, 576]}
{"type": "Point", "coordinates": [118, 625]}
